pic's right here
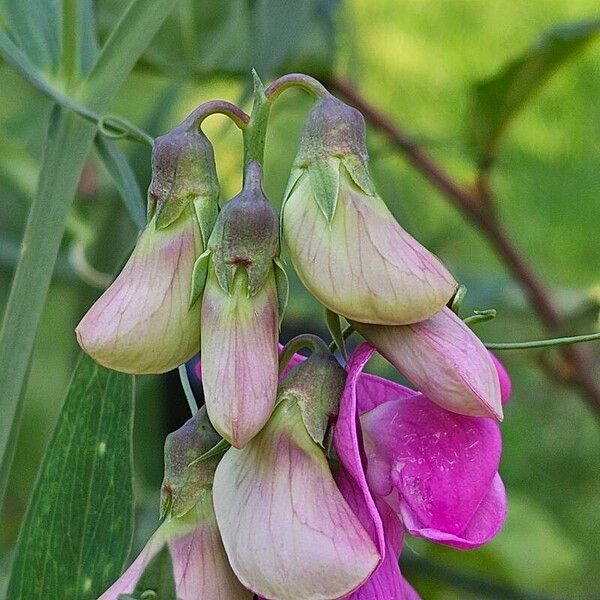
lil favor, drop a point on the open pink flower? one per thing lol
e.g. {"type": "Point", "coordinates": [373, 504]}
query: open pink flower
{"type": "Point", "coordinates": [437, 469]}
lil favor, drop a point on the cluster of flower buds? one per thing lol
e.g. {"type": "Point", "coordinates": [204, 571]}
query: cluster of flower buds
{"type": "Point", "coordinates": [300, 485]}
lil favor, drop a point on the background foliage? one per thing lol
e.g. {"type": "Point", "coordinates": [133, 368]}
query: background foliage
{"type": "Point", "coordinates": [419, 61]}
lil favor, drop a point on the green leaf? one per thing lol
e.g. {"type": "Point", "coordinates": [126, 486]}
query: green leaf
{"type": "Point", "coordinates": [117, 165]}
{"type": "Point", "coordinates": [157, 578]}
{"type": "Point", "coordinates": [497, 100]}
{"type": "Point", "coordinates": [279, 27]}
{"type": "Point", "coordinates": [77, 532]}
{"type": "Point", "coordinates": [56, 188]}
{"type": "Point", "coordinates": [35, 25]}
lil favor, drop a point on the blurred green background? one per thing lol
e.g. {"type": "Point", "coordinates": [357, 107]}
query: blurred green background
{"type": "Point", "coordinates": [417, 61]}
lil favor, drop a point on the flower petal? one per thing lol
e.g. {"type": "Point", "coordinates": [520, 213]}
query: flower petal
{"type": "Point", "coordinates": [503, 376]}
{"type": "Point", "coordinates": [349, 449]}
{"type": "Point", "coordinates": [286, 527]}
{"type": "Point", "coordinates": [239, 356]}
{"type": "Point", "coordinates": [143, 323]}
{"type": "Point", "coordinates": [362, 264]}
{"type": "Point", "coordinates": [445, 360]}
{"type": "Point", "coordinates": [441, 464]}
{"type": "Point", "coordinates": [200, 567]}
{"type": "Point", "coordinates": [386, 582]}
{"type": "Point", "coordinates": [483, 526]}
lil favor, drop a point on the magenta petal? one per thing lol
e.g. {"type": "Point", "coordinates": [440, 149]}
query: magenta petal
{"type": "Point", "coordinates": [347, 445]}
{"type": "Point", "coordinates": [387, 582]}
{"type": "Point", "coordinates": [504, 378]}
{"type": "Point", "coordinates": [484, 525]}
{"type": "Point", "coordinates": [371, 391]}
{"type": "Point", "coordinates": [441, 463]}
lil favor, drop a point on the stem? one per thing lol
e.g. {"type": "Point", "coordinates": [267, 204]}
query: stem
{"type": "Point", "coordinates": [562, 341]}
{"type": "Point", "coordinates": [222, 107]}
{"type": "Point", "coordinates": [478, 206]}
{"type": "Point", "coordinates": [300, 80]}
{"type": "Point", "coordinates": [187, 388]}
{"type": "Point", "coordinates": [256, 130]}
{"type": "Point", "coordinates": [305, 340]}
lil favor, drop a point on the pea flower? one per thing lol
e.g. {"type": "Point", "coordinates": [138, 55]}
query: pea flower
{"type": "Point", "coordinates": [438, 470]}
{"type": "Point", "coordinates": [143, 323]}
{"type": "Point", "coordinates": [344, 243]}
{"type": "Point", "coordinates": [244, 291]}
{"type": "Point", "coordinates": [445, 360]}
{"type": "Point", "coordinates": [288, 531]}
{"type": "Point", "coordinates": [201, 569]}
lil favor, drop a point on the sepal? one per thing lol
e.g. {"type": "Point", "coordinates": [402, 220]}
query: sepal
{"type": "Point", "coordinates": [246, 235]}
{"type": "Point", "coordinates": [183, 170]}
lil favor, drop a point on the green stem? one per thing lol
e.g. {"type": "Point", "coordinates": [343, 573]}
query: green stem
{"type": "Point", "coordinates": [305, 340]}
{"type": "Point", "coordinates": [562, 341]}
{"type": "Point", "coordinates": [300, 80]}
{"type": "Point", "coordinates": [187, 388]}
{"type": "Point", "coordinates": [213, 107]}
{"type": "Point", "coordinates": [255, 132]}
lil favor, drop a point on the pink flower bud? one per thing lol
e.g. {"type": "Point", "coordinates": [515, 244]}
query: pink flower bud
{"type": "Point", "coordinates": [445, 360]}
{"type": "Point", "coordinates": [344, 243]}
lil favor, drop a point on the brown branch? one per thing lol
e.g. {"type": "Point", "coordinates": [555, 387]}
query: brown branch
{"type": "Point", "coordinates": [478, 205]}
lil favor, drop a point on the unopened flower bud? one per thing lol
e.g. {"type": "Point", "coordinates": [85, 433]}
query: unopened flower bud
{"type": "Point", "coordinates": [189, 534]}
{"type": "Point", "coordinates": [143, 323]}
{"type": "Point", "coordinates": [288, 531]}
{"type": "Point", "coordinates": [241, 305]}
{"type": "Point", "coordinates": [445, 360]}
{"type": "Point", "coordinates": [345, 245]}
{"type": "Point", "coordinates": [184, 473]}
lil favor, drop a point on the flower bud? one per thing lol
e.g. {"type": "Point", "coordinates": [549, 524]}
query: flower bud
{"type": "Point", "coordinates": [143, 323]}
{"type": "Point", "coordinates": [184, 474]}
{"type": "Point", "coordinates": [240, 314]}
{"type": "Point", "coordinates": [189, 532]}
{"type": "Point", "coordinates": [444, 360]}
{"type": "Point", "coordinates": [287, 529]}
{"type": "Point", "coordinates": [345, 245]}
{"type": "Point", "coordinates": [183, 170]}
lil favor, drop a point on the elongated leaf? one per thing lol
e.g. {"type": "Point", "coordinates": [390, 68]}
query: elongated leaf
{"type": "Point", "coordinates": [35, 25]}
{"type": "Point", "coordinates": [57, 184]}
{"type": "Point", "coordinates": [497, 100]}
{"type": "Point", "coordinates": [78, 529]}
{"type": "Point", "coordinates": [280, 27]}
{"type": "Point", "coordinates": [117, 165]}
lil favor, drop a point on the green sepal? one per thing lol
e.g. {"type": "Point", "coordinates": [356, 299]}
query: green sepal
{"type": "Point", "coordinates": [157, 580]}
{"type": "Point", "coordinates": [359, 173]}
{"type": "Point", "coordinates": [334, 324]}
{"type": "Point", "coordinates": [283, 287]}
{"type": "Point", "coordinates": [316, 384]}
{"type": "Point", "coordinates": [207, 211]}
{"type": "Point", "coordinates": [199, 276]}
{"type": "Point", "coordinates": [324, 175]}
{"type": "Point", "coordinates": [189, 465]}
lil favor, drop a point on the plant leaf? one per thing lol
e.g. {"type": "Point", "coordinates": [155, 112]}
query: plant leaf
{"type": "Point", "coordinates": [279, 28]}
{"type": "Point", "coordinates": [35, 25]}
{"type": "Point", "coordinates": [498, 99]}
{"type": "Point", "coordinates": [77, 532]}
{"type": "Point", "coordinates": [117, 165]}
